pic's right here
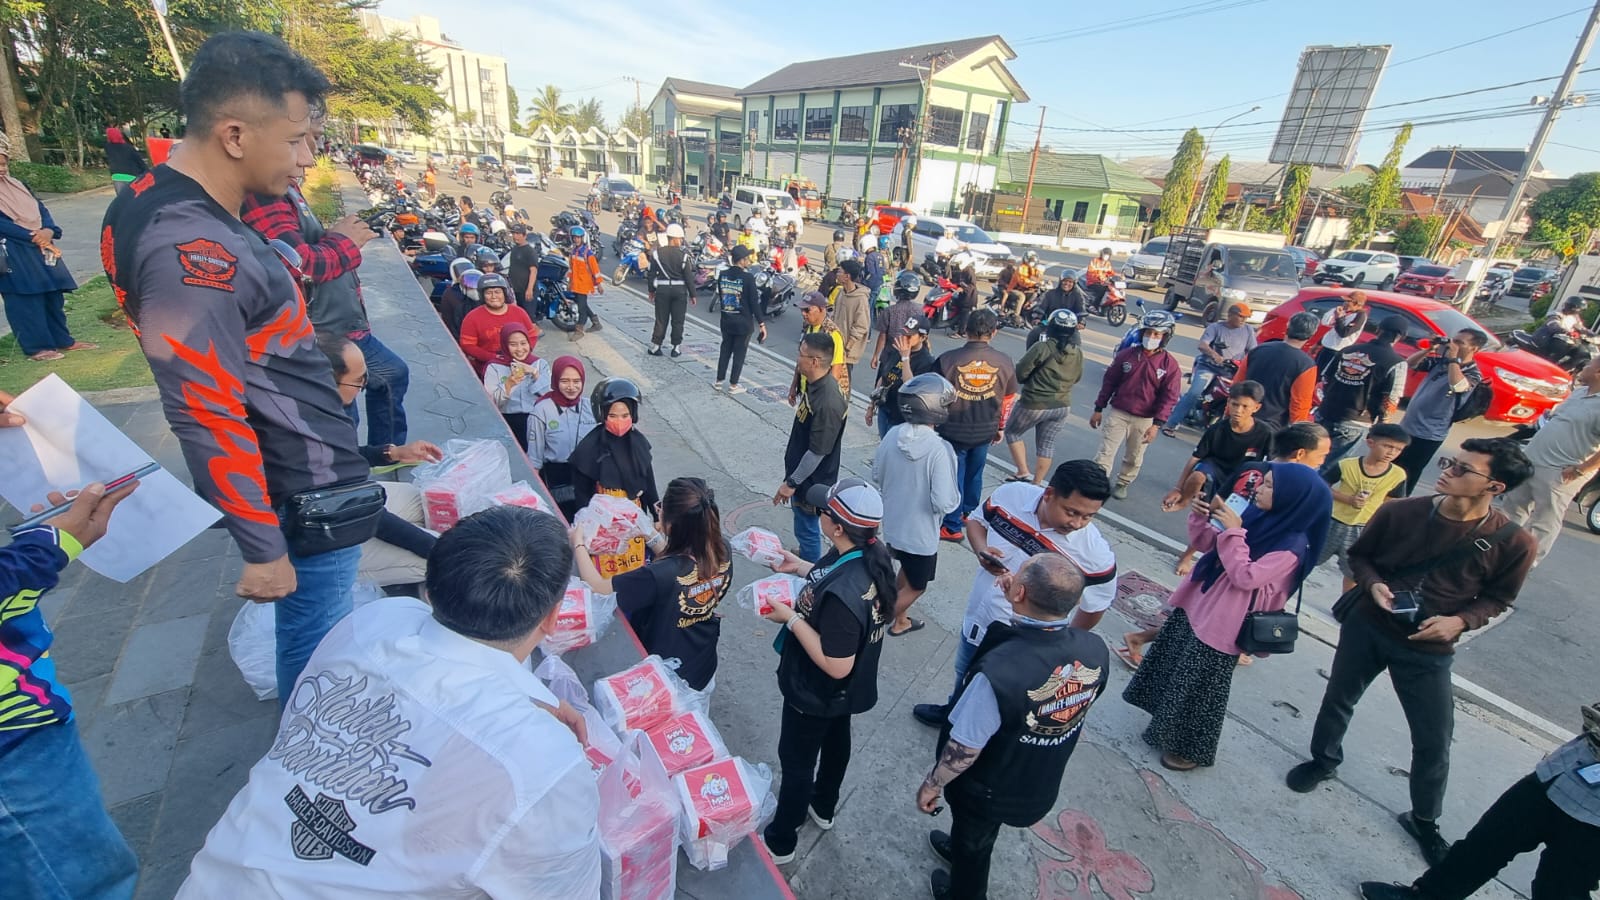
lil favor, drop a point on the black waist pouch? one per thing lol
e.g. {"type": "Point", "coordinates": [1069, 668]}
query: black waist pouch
{"type": "Point", "coordinates": [325, 519]}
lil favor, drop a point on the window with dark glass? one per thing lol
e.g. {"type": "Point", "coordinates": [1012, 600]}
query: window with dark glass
{"type": "Point", "coordinates": [977, 130]}
{"type": "Point", "coordinates": [944, 126]}
{"type": "Point", "coordinates": [854, 124]}
{"type": "Point", "coordinates": [893, 118]}
{"type": "Point", "coordinates": [819, 124]}
{"type": "Point", "coordinates": [786, 124]}
{"type": "Point", "coordinates": [755, 122]}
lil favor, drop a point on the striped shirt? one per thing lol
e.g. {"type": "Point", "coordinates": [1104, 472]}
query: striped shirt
{"type": "Point", "coordinates": [30, 694]}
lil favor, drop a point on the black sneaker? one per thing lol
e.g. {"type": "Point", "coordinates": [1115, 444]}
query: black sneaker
{"type": "Point", "coordinates": [933, 715]}
{"type": "Point", "coordinates": [1304, 778]}
{"type": "Point", "coordinates": [939, 884]}
{"type": "Point", "coordinates": [676, 351]}
{"type": "Point", "coordinates": [654, 350]}
{"type": "Point", "coordinates": [1383, 890]}
{"type": "Point", "coordinates": [939, 843]}
{"type": "Point", "coordinates": [1429, 840]}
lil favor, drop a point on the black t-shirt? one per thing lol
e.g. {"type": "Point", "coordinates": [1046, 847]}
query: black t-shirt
{"type": "Point", "coordinates": [819, 427]}
{"type": "Point", "coordinates": [524, 259]}
{"type": "Point", "coordinates": [1228, 450]}
{"type": "Point", "coordinates": [673, 610]}
{"type": "Point", "coordinates": [841, 603]}
{"type": "Point", "coordinates": [983, 378]}
{"type": "Point", "coordinates": [890, 377]}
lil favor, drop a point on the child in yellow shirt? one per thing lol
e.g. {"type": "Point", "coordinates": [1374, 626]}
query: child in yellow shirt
{"type": "Point", "coordinates": [1360, 485]}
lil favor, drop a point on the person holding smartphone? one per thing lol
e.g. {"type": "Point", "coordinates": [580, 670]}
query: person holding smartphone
{"type": "Point", "coordinates": [516, 379]}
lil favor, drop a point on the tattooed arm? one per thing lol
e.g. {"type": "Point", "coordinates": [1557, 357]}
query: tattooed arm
{"type": "Point", "coordinates": [954, 759]}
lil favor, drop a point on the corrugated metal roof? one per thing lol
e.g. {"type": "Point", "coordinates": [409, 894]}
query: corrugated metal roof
{"type": "Point", "coordinates": [1081, 170]}
{"type": "Point", "coordinates": [702, 88]}
{"type": "Point", "coordinates": [877, 67]}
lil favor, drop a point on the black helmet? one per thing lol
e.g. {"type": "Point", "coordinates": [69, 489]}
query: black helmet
{"type": "Point", "coordinates": [907, 285]}
{"type": "Point", "coordinates": [1572, 305]}
{"type": "Point", "coordinates": [926, 399]}
{"type": "Point", "coordinates": [838, 234]}
{"type": "Point", "coordinates": [1060, 324]}
{"type": "Point", "coordinates": [1302, 325]}
{"type": "Point", "coordinates": [611, 390]}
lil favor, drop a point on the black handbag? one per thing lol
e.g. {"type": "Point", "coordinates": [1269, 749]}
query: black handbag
{"type": "Point", "coordinates": [1270, 632]}
{"type": "Point", "coordinates": [322, 520]}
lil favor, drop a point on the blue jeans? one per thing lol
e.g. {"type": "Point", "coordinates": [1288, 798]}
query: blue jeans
{"type": "Point", "coordinates": [807, 533]}
{"type": "Point", "coordinates": [1343, 435]}
{"type": "Point", "coordinates": [965, 651]}
{"type": "Point", "coordinates": [969, 474]}
{"type": "Point", "coordinates": [387, 380]}
{"type": "Point", "coordinates": [321, 598]}
{"type": "Point", "coordinates": [1192, 397]}
{"type": "Point", "coordinates": [883, 426]}
{"type": "Point", "coordinates": [60, 842]}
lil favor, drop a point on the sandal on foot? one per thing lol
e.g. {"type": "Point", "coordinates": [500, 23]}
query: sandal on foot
{"type": "Point", "coordinates": [47, 356]}
{"type": "Point", "coordinates": [1125, 653]}
{"type": "Point", "coordinates": [1021, 477]}
{"type": "Point", "coordinates": [81, 345]}
{"type": "Point", "coordinates": [1177, 763]}
{"type": "Point", "coordinates": [916, 625]}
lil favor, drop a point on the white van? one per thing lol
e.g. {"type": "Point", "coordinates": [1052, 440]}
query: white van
{"type": "Point", "coordinates": [747, 198]}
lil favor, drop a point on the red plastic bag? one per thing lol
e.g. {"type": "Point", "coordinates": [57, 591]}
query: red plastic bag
{"type": "Point", "coordinates": [520, 494]}
{"type": "Point", "coordinates": [638, 826]}
{"type": "Point", "coordinates": [758, 545]}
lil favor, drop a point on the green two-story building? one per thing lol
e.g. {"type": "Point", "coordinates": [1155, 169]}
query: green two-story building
{"type": "Point", "coordinates": [695, 134]}
{"type": "Point", "coordinates": [876, 126]}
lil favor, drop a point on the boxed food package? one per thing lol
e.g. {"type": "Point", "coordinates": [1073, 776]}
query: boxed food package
{"type": "Point", "coordinates": [581, 619]}
{"type": "Point", "coordinates": [721, 802]}
{"type": "Point", "coordinates": [608, 523]}
{"type": "Point", "coordinates": [685, 741]}
{"type": "Point", "coordinates": [642, 696]}
{"type": "Point", "coordinates": [520, 494]}
{"type": "Point", "coordinates": [759, 546]}
{"type": "Point", "coordinates": [638, 826]}
{"type": "Point", "coordinates": [463, 482]}
{"type": "Point", "coordinates": [774, 590]}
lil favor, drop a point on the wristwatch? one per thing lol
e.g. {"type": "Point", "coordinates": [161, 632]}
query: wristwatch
{"type": "Point", "coordinates": [388, 453]}
{"type": "Point", "coordinates": [791, 485]}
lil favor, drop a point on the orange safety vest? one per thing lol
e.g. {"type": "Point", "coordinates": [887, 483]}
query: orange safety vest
{"type": "Point", "coordinates": [1100, 271]}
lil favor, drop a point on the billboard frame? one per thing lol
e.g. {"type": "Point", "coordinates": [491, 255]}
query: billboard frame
{"type": "Point", "coordinates": [1322, 119]}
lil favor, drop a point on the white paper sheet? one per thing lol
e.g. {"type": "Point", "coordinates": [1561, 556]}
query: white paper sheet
{"type": "Point", "coordinates": [67, 444]}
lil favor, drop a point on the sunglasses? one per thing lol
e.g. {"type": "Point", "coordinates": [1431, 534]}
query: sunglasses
{"type": "Point", "coordinates": [1458, 468]}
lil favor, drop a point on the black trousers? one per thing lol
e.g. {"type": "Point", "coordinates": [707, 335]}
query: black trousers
{"type": "Point", "coordinates": [731, 354]}
{"type": "Point", "coordinates": [672, 303]}
{"type": "Point", "coordinates": [814, 752]}
{"type": "Point", "coordinates": [1421, 682]}
{"type": "Point", "coordinates": [585, 314]}
{"type": "Point", "coordinates": [1414, 460]}
{"type": "Point", "coordinates": [1523, 818]}
{"type": "Point", "coordinates": [518, 422]}
{"type": "Point", "coordinates": [972, 836]}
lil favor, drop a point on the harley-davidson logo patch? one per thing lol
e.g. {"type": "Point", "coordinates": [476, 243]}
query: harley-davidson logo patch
{"type": "Point", "coordinates": [208, 264]}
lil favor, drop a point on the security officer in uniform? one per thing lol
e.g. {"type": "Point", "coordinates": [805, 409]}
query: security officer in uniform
{"type": "Point", "coordinates": [739, 302]}
{"type": "Point", "coordinates": [669, 290]}
{"type": "Point", "coordinates": [1015, 723]}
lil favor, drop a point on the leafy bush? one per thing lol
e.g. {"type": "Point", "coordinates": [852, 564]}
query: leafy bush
{"type": "Point", "coordinates": [321, 188]}
{"type": "Point", "coordinates": [45, 179]}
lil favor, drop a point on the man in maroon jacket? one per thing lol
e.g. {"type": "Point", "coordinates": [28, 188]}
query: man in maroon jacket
{"type": "Point", "coordinates": [1141, 386]}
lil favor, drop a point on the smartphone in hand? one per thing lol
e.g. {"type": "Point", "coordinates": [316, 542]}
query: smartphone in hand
{"type": "Point", "coordinates": [1236, 502]}
{"type": "Point", "coordinates": [994, 560]}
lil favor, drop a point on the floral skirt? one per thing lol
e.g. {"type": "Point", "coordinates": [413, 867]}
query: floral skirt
{"type": "Point", "coordinates": [1184, 685]}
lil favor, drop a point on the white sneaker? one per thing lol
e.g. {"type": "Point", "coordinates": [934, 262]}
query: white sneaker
{"type": "Point", "coordinates": [717, 386]}
{"type": "Point", "coordinates": [824, 824]}
{"type": "Point", "coordinates": [736, 389]}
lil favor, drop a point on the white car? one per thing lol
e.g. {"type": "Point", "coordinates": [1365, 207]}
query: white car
{"type": "Point", "coordinates": [749, 201]}
{"type": "Point", "coordinates": [1353, 268]}
{"type": "Point", "coordinates": [1144, 267]}
{"type": "Point", "coordinates": [524, 176]}
{"type": "Point", "coordinates": [991, 254]}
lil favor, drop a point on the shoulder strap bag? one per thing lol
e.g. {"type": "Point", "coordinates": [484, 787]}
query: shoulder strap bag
{"type": "Point", "coordinates": [1456, 555]}
{"type": "Point", "coordinates": [1270, 632]}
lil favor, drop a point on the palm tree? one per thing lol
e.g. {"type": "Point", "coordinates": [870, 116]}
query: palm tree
{"type": "Point", "coordinates": [588, 115]}
{"type": "Point", "coordinates": [547, 109]}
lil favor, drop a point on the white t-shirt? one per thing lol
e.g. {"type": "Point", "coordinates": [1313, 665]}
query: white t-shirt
{"type": "Point", "coordinates": [1015, 534]}
{"type": "Point", "coordinates": [410, 762]}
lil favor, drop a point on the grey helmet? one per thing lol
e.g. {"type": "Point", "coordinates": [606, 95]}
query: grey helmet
{"type": "Point", "coordinates": [459, 266]}
{"type": "Point", "coordinates": [926, 399]}
{"type": "Point", "coordinates": [1159, 320]}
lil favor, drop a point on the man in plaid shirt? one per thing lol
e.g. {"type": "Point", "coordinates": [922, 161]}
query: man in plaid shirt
{"type": "Point", "coordinates": [329, 258]}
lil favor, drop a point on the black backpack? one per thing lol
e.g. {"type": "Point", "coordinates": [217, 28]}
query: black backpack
{"type": "Point", "coordinates": [1474, 403]}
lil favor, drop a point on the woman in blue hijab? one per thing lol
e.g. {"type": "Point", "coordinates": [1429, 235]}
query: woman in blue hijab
{"type": "Point", "coordinates": [1255, 562]}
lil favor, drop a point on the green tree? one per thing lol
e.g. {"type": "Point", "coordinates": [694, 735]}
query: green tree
{"type": "Point", "coordinates": [1416, 236]}
{"type": "Point", "coordinates": [588, 115]}
{"type": "Point", "coordinates": [636, 120]}
{"type": "Point", "coordinates": [511, 100]}
{"type": "Point", "coordinates": [1565, 217]}
{"type": "Point", "coordinates": [546, 109]}
{"type": "Point", "coordinates": [1216, 194]}
{"type": "Point", "coordinates": [1286, 218]}
{"type": "Point", "coordinates": [374, 80]}
{"type": "Point", "coordinates": [1177, 193]}
{"type": "Point", "coordinates": [1381, 198]}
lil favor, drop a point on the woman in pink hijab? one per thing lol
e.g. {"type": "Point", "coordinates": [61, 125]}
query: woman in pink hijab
{"type": "Point", "coordinates": [36, 279]}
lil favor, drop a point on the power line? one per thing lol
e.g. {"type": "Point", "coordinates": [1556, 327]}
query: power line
{"type": "Point", "coordinates": [1206, 7]}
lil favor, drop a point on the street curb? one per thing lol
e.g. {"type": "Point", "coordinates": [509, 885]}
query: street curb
{"type": "Point", "coordinates": [1315, 624]}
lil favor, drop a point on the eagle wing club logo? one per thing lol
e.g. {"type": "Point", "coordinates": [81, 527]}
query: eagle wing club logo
{"type": "Point", "coordinates": [207, 264]}
{"type": "Point", "coordinates": [977, 379]}
{"type": "Point", "coordinates": [1063, 699]}
{"type": "Point", "coordinates": [322, 828]}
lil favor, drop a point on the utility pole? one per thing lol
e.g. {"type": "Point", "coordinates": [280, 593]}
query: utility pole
{"type": "Point", "coordinates": [1443, 182]}
{"type": "Point", "coordinates": [166, 32]}
{"type": "Point", "coordinates": [1033, 165]}
{"type": "Point", "coordinates": [1558, 101]}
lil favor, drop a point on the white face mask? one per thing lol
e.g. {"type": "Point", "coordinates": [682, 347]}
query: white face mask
{"type": "Point", "coordinates": [1152, 342]}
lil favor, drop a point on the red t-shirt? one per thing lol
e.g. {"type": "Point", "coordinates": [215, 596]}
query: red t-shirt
{"type": "Point", "coordinates": [480, 333]}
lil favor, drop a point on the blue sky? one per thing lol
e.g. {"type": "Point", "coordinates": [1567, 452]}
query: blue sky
{"type": "Point", "coordinates": [1151, 66]}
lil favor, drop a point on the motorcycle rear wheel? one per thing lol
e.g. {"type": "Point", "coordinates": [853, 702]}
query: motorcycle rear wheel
{"type": "Point", "coordinates": [1117, 314]}
{"type": "Point", "coordinates": [1593, 518]}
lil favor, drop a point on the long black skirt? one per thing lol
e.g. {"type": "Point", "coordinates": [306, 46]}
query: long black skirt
{"type": "Point", "coordinates": [1184, 685]}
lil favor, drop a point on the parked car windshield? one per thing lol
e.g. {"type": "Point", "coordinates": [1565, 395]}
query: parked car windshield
{"type": "Point", "coordinates": [780, 201]}
{"type": "Point", "coordinates": [1262, 264]}
{"type": "Point", "coordinates": [619, 187]}
{"type": "Point", "coordinates": [969, 234]}
{"type": "Point", "coordinates": [1354, 256]}
{"type": "Point", "coordinates": [1452, 321]}
{"type": "Point", "coordinates": [1155, 248]}
{"type": "Point", "coordinates": [1529, 273]}
{"type": "Point", "coordinates": [1430, 271]}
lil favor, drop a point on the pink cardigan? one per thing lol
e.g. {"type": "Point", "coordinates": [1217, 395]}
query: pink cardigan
{"type": "Point", "coordinates": [1216, 615]}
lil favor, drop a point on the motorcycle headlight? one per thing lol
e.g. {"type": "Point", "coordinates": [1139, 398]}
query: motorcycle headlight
{"type": "Point", "coordinates": [1234, 295]}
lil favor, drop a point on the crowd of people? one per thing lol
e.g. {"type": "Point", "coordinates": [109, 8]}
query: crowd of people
{"type": "Point", "coordinates": [257, 335]}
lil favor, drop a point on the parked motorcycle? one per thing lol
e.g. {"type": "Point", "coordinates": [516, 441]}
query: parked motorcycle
{"type": "Point", "coordinates": [938, 305]}
{"type": "Point", "coordinates": [777, 291]}
{"type": "Point", "coordinates": [1569, 350]}
{"type": "Point", "coordinates": [932, 269]}
{"type": "Point", "coordinates": [555, 302]}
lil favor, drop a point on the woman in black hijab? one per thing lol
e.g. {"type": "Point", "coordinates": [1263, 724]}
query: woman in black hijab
{"type": "Point", "coordinates": [615, 459]}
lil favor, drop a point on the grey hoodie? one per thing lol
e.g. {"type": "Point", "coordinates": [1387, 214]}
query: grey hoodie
{"type": "Point", "coordinates": [915, 470]}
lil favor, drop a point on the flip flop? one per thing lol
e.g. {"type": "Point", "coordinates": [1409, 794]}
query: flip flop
{"type": "Point", "coordinates": [82, 345]}
{"type": "Point", "coordinates": [1028, 477]}
{"type": "Point", "coordinates": [47, 356]}
{"type": "Point", "coordinates": [1126, 655]}
{"type": "Point", "coordinates": [916, 625]}
{"type": "Point", "coordinates": [1177, 763]}
{"type": "Point", "coordinates": [1170, 432]}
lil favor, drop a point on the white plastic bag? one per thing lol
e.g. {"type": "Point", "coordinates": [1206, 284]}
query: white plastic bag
{"type": "Point", "coordinates": [721, 802]}
{"type": "Point", "coordinates": [608, 523]}
{"type": "Point", "coordinates": [581, 620]}
{"type": "Point", "coordinates": [764, 594]}
{"type": "Point", "coordinates": [639, 826]}
{"type": "Point", "coordinates": [520, 494]}
{"type": "Point", "coordinates": [603, 747]}
{"type": "Point", "coordinates": [759, 545]}
{"type": "Point", "coordinates": [462, 483]}
{"type": "Point", "coordinates": [644, 695]}
{"type": "Point", "coordinates": [253, 644]}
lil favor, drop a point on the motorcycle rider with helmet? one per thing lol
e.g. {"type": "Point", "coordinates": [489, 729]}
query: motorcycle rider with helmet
{"type": "Point", "coordinates": [720, 229]}
{"type": "Point", "coordinates": [1141, 386]}
{"type": "Point", "coordinates": [1024, 282]}
{"type": "Point", "coordinates": [946, 247]}
{"type": "Point", "coordinates": [466, 239]}
{"type": "Point", "coordinates": [1047, 373]}
{"type": "Point", "coordinates": [915, 470]}
{"type": "Point", "coordinates": [1560, 329]}
{"type": "Point", "coordinates": [830, 253]}
{"type": "Point", "coordinates": [1098, 277]}
{"type": "Point", "coordinates": [1065, 295]}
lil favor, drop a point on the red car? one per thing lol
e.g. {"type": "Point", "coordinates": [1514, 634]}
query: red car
{"type": "Point", "coordinates": [1525, 386]}
{"type": "Point", "coordinates": [886, 217]}
{"type": "Point", "coordinates": [1431, 281]}
{"type": "Point", "coordinates": [1307, 259]}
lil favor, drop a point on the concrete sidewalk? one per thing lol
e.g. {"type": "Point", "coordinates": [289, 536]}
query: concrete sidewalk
{"type": "Point", "coordinates": [1122, 826]}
